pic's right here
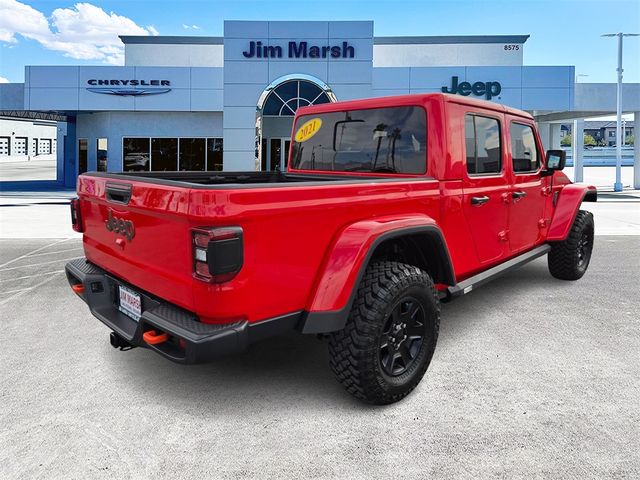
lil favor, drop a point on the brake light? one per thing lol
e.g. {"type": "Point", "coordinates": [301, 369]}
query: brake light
{"type": "Point", "coordinates": [76, 216]}
{"type": "Point", "coordinates": [218, 253]}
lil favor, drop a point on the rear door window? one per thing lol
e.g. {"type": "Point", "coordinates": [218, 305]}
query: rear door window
{"type": "Point", "coordinates": [483, 145]}
{"type": "Point", "coordinates": [379, 140]}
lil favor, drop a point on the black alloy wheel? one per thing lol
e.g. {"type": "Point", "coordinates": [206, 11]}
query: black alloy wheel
{"type": "Point", "coordinates": [390, 336]}
{"type": "Point", "coordinates": [569, 259]}
{"type": "Point", "coordinates": [402, 337]}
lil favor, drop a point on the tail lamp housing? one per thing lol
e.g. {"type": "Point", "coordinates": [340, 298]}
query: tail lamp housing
{"type": "Point", "coordinates": [76, 215]}
{"type": "Point", "coordinates": [218, 253]}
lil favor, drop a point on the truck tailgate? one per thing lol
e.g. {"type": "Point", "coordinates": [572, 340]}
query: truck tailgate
{"type": "Point", "coordinates": [139, 232]}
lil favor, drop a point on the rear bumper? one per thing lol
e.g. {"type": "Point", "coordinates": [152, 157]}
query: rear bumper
{"type": "Point", "coordinates": [190, 341]}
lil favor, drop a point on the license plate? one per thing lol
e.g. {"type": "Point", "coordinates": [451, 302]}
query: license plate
{"type": "Point", "coordinates": [130, 303]}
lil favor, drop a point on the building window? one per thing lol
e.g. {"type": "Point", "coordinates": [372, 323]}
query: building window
{"type": "Point", "coordinates": [4, 146]}
{"type": "Point", "coordinates": [214, 154]}
{"type": "Point", "coordinates": [136, 154]}
{"type": "Point", "coordinates": [164, 154]}
{"type": "Point", "coordinates": [171, 154]}
{"type": "Point", "coordinates": [101, 154]}
{"type": "Point", "coordinates": [612, 133]}
{"type": "Point", "coordinates": [192, 154]}
{"type": "Point", "coordinates": [287, 97]}
{"type": "Point", "coordinates": [44, 146]}
{"type": "Point", "coordinates": [82, 155]}
{"type": "Point", "coordinates": [483, 145]}
{"type": "Point", "coordinates": [20, 146]}
{"type": "Point", "coordinates": [524, 154]}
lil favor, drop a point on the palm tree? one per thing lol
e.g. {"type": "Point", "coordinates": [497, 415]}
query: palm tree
{"type": "Point", "coordinates": [381, 127]}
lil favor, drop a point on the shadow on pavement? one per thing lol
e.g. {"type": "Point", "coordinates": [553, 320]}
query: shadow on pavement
{"type": "Point", "coordinates": [295, 367]}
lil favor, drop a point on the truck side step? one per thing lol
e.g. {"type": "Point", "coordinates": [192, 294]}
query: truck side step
{"type": "Point", "coordinates": [470, 283]}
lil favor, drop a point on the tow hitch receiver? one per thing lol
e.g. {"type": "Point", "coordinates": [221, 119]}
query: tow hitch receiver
{"type": "Point", "coordinates": [155, 338]}
{"type": "Point", "coordinates": [118, 342]}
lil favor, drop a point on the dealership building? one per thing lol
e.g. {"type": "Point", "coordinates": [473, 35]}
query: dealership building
{"type": "Point", "coordinates": [227, 103]}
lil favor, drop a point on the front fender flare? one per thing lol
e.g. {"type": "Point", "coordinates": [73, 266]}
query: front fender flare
{"type": "Point", "coordinates": [570, 198]}
{"type": "Point", "coordinates": [335, 287]}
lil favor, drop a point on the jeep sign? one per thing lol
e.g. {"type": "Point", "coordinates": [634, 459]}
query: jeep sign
{"type": "Point", "coordinates": [488, 89]}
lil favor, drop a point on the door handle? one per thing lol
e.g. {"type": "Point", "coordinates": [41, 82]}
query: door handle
{"type": "Point", "coordinates": [479, 200]}
{"type": "Point", "coordinates": [518, 195]}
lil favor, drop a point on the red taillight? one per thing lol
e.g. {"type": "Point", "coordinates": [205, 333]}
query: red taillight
{"type": "Point", "coordinates": [202, 270]}
{"type": "Point", "coordinates": [201, 239]}
{"type": "Point", "coordinates": [218, 253]}
{"type": "Point", "coordinates": [76, 217]}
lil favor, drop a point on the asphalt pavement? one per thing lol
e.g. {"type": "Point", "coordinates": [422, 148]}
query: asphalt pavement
{"type": "Point", "coordinates": [36, 168]}
{"type": "Point", "coordinates": [532, 378]}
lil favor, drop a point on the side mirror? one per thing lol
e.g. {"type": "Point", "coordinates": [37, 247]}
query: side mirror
{"type": "Point", "coordinates": [556, 160]}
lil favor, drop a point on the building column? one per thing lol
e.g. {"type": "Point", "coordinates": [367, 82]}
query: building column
{"type": "Point", "coordinates": [61, 128]}
{"type": "Point", "coordinates": [577, 147]}
{"type": "Point", "coordinates": [544, 129]}
{"type": "Point", "coordinates": [636, 151]}
{"type": "Point", "coordinates": [69, 155]}
{"type": "Point", "coordinates": [554, 134]}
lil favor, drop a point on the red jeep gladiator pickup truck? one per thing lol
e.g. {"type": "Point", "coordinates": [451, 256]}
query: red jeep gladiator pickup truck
{"type": "Point", "coordinates": [387, 207]}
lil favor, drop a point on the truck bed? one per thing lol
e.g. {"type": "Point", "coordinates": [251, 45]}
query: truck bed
{"type": "Point", "coordinates": [287, 231]}
{"type": "Point", "coordinates": [240, 179]}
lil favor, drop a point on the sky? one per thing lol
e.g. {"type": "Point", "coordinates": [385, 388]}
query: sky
{"type": "Point", "coordinates": [563, 32]}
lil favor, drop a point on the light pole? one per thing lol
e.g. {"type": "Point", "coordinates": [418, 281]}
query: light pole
{"type": "Point", "coordinates": [617, 187]}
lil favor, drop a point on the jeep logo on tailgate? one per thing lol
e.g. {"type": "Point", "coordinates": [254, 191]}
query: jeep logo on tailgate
{"type": "Point", "coordinates": [118, 225]}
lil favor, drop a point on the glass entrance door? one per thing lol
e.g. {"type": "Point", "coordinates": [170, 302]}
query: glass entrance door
{"type": "Point", "coordinates": [83, 162]}
{"type": "Point", "coordinates": [275, 153]}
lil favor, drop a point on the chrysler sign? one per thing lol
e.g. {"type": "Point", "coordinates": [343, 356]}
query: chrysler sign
{"type": "Point", "coordinates": [128, 87]}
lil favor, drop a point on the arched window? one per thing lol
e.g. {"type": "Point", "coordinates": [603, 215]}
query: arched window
{"type": "Point", "coordinates": [287, 97]}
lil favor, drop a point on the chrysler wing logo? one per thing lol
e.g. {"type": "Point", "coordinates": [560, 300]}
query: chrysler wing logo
{"type": "Point", "coordinates": [129, 92]}
{"type": "Point", "coordinates": [128, 88]}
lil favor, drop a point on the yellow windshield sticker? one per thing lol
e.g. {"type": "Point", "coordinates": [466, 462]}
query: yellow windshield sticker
{"type": "Point", "coordinates": [308, 130]}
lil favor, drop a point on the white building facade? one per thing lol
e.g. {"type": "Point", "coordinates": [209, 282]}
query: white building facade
{"type": "Point", "coordinates": [212, 103]}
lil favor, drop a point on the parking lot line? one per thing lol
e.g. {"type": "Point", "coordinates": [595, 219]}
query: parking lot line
{"type": "Point", "coordinates": [34, 251]}
{"type": "Point", "coordinates": [38, 264]}
{"type": "Point", "coordinates": [57, 251]}
{"type": "Point", "coordinates": [22, 292]}
{"type": "Point", "coordinates": [16, 291]}
{"type": "Point", "coordinates": [30, 276]}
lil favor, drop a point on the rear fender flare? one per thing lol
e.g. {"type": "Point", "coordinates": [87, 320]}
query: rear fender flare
{"type": "Point", "coordinates": [335, 288]}
{"type": "Point", "coordinates": [568, 203]}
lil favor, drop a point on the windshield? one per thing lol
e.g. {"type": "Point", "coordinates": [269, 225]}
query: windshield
{"type": "Point", "coordinates": [380, 140]}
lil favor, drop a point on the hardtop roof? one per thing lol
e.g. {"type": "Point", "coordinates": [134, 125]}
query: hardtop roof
{"type": "Point", "coordinates": [413, 99]}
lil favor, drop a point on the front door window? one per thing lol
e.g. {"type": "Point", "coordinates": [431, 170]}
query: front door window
{"type": "Point", "coordinates": [527, 192]}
